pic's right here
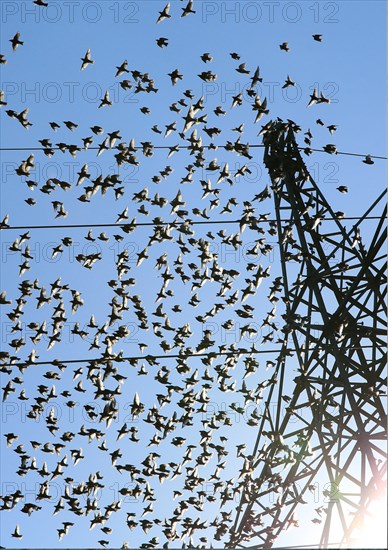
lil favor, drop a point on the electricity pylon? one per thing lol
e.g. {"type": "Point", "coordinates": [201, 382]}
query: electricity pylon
{"type": "Point", "coordinates": [329, 433]}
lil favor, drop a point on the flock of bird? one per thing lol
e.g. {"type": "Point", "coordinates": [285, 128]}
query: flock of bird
{"type": "Point", "coordinates": [178, 420]}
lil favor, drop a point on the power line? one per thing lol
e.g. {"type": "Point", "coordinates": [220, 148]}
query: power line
{"type": "Point", "coordinates": [173, 223]}
{"type": "Point", "coordinates": [143, 357]}
{"type": "Point", "coordinates": [189, 147]}
{"type": "Point", "coordinates": [318, 545]}
{"type": "Point", "coordinates": [152, 357]}
{"type": "Point", "coordinates": [343, 153]}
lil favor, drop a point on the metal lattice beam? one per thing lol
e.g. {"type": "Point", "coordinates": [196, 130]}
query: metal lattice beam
{"type": "Point", "coordinates": [334, 292]}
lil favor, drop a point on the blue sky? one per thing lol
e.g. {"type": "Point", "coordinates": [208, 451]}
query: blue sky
{"type": "Point", "coordinates": [44, 75]}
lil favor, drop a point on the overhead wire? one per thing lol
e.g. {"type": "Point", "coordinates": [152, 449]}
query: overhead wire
{"type": "Point", "coordinates": [172, 223]}
{"type": "Point", "coordinates": [168, 356]}
{"type": "Point", "coordinates": [213, 146]}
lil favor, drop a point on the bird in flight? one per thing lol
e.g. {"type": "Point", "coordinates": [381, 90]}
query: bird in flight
{"type": "Point", "coordinates": [15, 41]}
{"type": "Point", "coordinates": [165, 13]}
{"type": "Point", "coordinates": [188, 9]}
{"type": "Point", "coordinates": [86, 60]}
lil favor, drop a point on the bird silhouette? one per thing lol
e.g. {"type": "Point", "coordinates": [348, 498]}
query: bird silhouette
{"type": "Point", "coordinates": [16, 42]}
{"type": "Point", "coordinates": [86, 60]}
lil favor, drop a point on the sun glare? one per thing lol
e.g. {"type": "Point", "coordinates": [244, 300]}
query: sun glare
{"type": "Point", "coordinates": [373, 534]}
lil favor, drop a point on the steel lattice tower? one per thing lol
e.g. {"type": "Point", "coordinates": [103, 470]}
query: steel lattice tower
{"type": "Point", "coordinates": [332, 431]}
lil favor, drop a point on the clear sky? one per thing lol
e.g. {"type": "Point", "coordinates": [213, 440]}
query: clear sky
{"type": "Point", "coordinates": [44, 75]}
